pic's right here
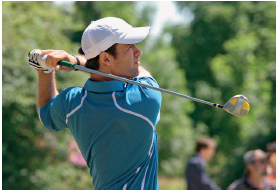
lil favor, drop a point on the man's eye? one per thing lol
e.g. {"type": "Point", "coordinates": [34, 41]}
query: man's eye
{"type": "Point", "coordinates": [130, 46]}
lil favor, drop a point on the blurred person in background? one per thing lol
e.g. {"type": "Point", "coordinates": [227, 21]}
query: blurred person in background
{"type": "Point", "coordinates": [196, 175]}
{"type": "Point", "coordinates": [75, 155]}
{"type": "Point", "coordinates": [255, 178]}
{"type": "Point", "coordinates": [271, 150]}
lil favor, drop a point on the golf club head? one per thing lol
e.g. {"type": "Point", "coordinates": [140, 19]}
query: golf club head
{"type": "Point", "coordinates": [238, 105]}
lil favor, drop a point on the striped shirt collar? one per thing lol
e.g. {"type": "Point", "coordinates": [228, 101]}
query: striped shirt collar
{"type": "Point", "coordinates": [104, 86]}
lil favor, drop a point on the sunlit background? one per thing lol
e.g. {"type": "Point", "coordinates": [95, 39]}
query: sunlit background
{"type": "Point", "coordinates": [209, 50]}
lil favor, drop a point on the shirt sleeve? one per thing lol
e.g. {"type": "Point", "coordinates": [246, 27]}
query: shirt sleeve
{"type": "Point", "coordinates": [148, 80]}
{"type": "Point", "coordinates": [53, 113]}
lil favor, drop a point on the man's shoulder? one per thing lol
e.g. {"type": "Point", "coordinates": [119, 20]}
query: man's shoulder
{"type": "Point", "coordinates": [151, 94]}
{"type": "Point", "coordinates": [71, 90]}
{"type": "Point", "coordinates": [149, 80]}
{"type": "Point", "coordinates": [69, 94]}
{"type": "Point", "coordinates": [195, 160]}
{"type": "Point", "coordinates": [269, 184]}
{"type": "Point", "coordinates": [240, 184]}
{"type": "Point", "coordinates": [76, 88]}
{"type": "Point", "coordinates": [195, 163]}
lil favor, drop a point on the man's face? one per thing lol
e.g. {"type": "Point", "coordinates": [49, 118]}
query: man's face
{"type": "Point", "coordinates": [208, 152]}
{"type": "Point", "coordinates": [272, 160]}
{"type": "Point", "coordinates": [126, 64]}
{"type": "Point", "coordinates": [211, 152]}
{"type": "Point", "coordinates": [259, 166]}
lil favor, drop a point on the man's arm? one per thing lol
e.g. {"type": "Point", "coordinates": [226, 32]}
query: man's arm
{"type": "Point", "coordinates": [46, 88]}
{"type": "Point", "coordinates": [46, 82]}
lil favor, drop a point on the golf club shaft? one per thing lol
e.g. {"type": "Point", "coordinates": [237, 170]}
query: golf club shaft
{"type": "Point", "coordinates": [84, 69]}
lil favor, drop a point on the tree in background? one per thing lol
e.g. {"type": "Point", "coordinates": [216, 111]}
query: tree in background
{"type": "Point", "coordinates": [28, 149]}
{"type": "Point", "coordinates": [36, 158]}
{"type": "Point", "coordinates": [228, 49]}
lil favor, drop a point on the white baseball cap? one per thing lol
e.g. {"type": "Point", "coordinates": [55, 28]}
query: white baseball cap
{"type": "Point", "coordinates": [103, 33]}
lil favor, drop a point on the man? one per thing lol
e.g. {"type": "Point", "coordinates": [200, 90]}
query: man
{"type": "Point", "coordinates": [271, 150]}
{"type": "Point", "coordinates": [255, 163]}
{"type": "Point", "coordinates": [113, 122]}
{"type": "Point", "coordinates": [196, 176]}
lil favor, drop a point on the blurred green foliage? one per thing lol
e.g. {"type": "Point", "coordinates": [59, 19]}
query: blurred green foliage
{"type": "Point", "coordinates": [228, 48]}
{"type": "Point", "coordinates": [27, 26]}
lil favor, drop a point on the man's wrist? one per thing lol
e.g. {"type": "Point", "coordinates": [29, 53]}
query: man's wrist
{"type": "Point", "coordinates": [77, 61]}
{"type": "Point", "coordinates": [41, 73]}
{"type": "Point", "coordinates": [82, 60]}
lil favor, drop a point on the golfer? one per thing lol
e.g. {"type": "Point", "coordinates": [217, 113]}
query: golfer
{"type": "Point", "coordinates": [113, 122]}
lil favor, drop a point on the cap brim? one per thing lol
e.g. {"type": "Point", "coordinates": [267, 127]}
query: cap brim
{"type": "Point", "coordinates": [135, 35]}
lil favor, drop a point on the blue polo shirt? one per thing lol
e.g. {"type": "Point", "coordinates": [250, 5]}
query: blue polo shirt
{"type": "Point", "coordinates": [113, 123]}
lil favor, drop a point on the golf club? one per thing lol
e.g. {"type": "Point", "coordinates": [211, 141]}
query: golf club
{"type": "Point", "coordinates": [238, 105]}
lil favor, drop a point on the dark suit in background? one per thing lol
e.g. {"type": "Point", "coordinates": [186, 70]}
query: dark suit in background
{"type": "Point", "coordinates": [196, 176]}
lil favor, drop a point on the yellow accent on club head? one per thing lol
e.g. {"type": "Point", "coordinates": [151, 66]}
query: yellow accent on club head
{"type": "Point", "coordinates": [233, 101]}
{"type": "Point", "coordinates": [245, 105]}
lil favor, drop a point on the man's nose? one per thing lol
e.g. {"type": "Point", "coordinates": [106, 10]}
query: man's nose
{"type": "Point", "coordinates": [137, 51]}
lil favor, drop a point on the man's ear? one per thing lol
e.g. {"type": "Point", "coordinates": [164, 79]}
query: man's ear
{"type": "Point", "coordinates": [249, 166]}
{"type": "Point", "coordinates": [105, 58]}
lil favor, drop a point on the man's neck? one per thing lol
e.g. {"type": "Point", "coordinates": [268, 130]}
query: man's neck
{"type": "Point", "coordinates": [100, 78]}
{"type": "Point", "coordinates": [200, 155]}
{"type": "Point", "coordinates": [256, 181]}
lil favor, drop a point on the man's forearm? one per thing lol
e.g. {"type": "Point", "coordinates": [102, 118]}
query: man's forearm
{"type": "Point", "coordinates": [46, 88]}
{"type": "Point", "coordinates": [46, 82]}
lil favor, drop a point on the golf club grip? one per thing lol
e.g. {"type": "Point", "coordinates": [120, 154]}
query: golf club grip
{"type": "Point", "coordinates": [67, 64]}
{"type": "Point", "coordinates": [64, 63]}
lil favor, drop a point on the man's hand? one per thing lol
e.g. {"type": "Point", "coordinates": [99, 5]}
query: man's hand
{"type": "Point", "coordinates": [47, 60]}
{"type": "Point", "coordinates": [47, 88]}
{"type": "Point", "coordinates": [39, 61]}
{"type": "Point", "coordinates": [54, 56]}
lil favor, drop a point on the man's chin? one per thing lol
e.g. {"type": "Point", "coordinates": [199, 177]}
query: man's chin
{"type": "Point", "coordinates": [133, 75]}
